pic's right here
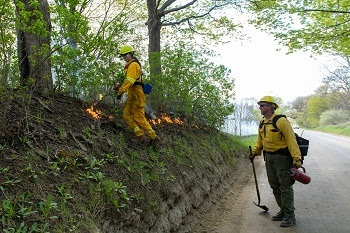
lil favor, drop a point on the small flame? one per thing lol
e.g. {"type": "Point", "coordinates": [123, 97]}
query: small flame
{"type": "Point", "coordinates": [101, 97]}
{"type": "Point", "coordinates": [166, 119]}
{"type": "Point", "coordinates": [94, 113]}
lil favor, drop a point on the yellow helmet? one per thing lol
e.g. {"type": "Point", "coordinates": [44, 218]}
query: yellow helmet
{"type": "Point", "coordinates": [126, 49]}
{"type": "Point", "coordinates": [268, 99]}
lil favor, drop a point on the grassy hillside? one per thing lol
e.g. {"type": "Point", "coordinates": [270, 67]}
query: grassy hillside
{"type": "Point", "coordinates": [62, 170]}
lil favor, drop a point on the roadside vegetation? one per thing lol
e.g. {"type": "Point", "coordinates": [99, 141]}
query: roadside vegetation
{"type": "Point", "coordinates": [62, 170]}
{"type": "Point", "coordinates": [341, 129]}
{"type": "Point", "coordinates": [75, 172]}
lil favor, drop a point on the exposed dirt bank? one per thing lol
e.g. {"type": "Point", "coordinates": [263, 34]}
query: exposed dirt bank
{"type": "Point", "coordinates": [210, 215]}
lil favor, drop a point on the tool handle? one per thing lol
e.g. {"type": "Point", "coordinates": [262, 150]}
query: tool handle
{"type": "Point", "coordinates": [303, 169]}
{"type": "Point", "coordinates": [256, 181]}
{"type": "Point", "coordinates": [251, 154]}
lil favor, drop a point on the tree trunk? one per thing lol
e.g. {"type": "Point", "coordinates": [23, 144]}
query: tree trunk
{"type": "Point", "coordinates": [34, 49]}
{"type": "Point", "coordinates": [154, 26]}
{"type": "Point", "coordinates": [154, 58]}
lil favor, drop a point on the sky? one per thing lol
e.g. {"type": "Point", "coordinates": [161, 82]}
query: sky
{"type": "Point", "coordinates": [260, 70]}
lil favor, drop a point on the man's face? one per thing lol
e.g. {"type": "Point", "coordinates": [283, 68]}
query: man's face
{"type": "Point", "coordinates": [264, 108]}
{"type": "Point", "coordinates": [127, 57]}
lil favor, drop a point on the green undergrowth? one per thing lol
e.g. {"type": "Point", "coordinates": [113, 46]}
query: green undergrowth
{"type": "Point", "coordinates": [342, 129]}
{"type": "Point", "coordinates": [72, 173]}
{"type": "Point", "coordinates": [68, 193]}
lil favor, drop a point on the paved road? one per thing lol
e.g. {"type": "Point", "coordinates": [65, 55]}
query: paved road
{"type": "Point", "coordinates": [322, 206]}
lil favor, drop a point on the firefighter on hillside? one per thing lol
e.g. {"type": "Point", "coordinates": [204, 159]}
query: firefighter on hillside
{"type": "Point", "coordinates": [281, 153]}
{"type": "Point", "coordinates": [134, 109]}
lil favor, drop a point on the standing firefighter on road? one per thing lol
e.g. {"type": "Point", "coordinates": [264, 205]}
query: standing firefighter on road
{"type": "Point", "coordinates": [134, 109]}
{"type": "Point", "coordinates": [281, 153]}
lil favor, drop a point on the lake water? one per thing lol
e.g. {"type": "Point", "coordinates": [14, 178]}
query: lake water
{"type": "Point", "coordinates": [240, 129]}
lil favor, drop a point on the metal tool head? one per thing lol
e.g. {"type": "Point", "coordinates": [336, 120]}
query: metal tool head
{"type": "Point", "coordinates": [262, 206]}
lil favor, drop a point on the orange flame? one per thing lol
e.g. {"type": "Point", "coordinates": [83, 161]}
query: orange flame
{"type": "Point", "coordinates": [166, 119]}
{"type": "Point", "coordinates": [94, 113]}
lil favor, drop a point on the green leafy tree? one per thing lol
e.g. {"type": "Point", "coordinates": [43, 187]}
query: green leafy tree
{"type": "Point", "coordinates": [7, 46]}
{"type": "Point", "coordinates": [191, 85]}
{"type": "Point", "coordinates": [317, 25]}
{"type": "Point", "coordinates": [315, 107]}
{"type": "Point", "coordinates": [87, 37]}
{"type": "Point", "coordinates": [298, 110]}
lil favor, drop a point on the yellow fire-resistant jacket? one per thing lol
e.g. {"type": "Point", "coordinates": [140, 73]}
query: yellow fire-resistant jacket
{"type": "Point", "coordinates": [133, 73]}
{"type": "Point", "coordinates": [271, 140]}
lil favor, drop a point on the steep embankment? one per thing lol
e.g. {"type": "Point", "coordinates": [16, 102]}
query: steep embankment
{"type": "Point", "coordinates": [62, 170]}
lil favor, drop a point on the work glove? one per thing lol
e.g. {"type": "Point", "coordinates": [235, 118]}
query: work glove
{"type": "Point", "coordinates": [116, 87]}
{"type": "Point", "coordinates": [119, 96]}
{"type": "Point", "coordinates": [297, 163]}
{"type": "Point", "coordinates": [252, 156]}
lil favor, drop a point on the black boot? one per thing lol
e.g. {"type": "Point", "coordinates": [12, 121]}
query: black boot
{"type": "Point", "coordinates": [288, 222]}
{"type": "Point", "coordinates": [155, 142]}
{"type": "Point", "coordinates": [139, 140]}
{"type": "Point", "coordinates": [278, 217]}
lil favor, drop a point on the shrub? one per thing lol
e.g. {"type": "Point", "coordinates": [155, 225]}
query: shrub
{"type": "Point", "coordinates": [192, 85]}
{"type": "Point", "coordinates": [334, 117]}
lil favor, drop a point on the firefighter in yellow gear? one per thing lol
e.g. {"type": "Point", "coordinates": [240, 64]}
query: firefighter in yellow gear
{"type": "Point", "coordinates": [134, 109]}
{"type": "Point", "coordinates": [281, 153]}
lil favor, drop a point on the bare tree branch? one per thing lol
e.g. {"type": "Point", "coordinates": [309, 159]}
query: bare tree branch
{"type": "Point", "coordinates": [164, 12]}
{"type": "Point", "coordinates": [324, 11]}
{"type": "Point", "coordinates": [158, 3]}
{"type": "Point", "coordinates": [165, 5]}
{"type": "Point", "coordinates": [189, 18]}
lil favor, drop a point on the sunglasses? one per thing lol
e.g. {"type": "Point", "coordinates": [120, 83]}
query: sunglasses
{"type": "Point", "coordinates": [263, 105]}
{"type": "Point", "coordinates": [123, 55]}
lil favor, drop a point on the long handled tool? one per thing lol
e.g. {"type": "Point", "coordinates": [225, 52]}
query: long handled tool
{"type": "Point", "coordinates": [256, 184]}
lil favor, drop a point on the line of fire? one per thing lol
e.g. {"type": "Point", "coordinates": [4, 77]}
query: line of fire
{"type": "Point", "coordinates": [97, 114]}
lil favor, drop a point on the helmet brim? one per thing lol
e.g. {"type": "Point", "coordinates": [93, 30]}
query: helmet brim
{"type": "Point", "coordinates": [123, 54]}
{"type": "Point", "coordinates": [276, 105]}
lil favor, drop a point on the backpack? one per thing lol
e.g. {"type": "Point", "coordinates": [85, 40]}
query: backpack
{"type": "Point", "coordinates": [302, 142]}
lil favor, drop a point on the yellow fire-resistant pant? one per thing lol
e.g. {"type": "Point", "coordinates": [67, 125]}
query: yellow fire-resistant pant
{"type": "Point", "coordinates": [134, 113]}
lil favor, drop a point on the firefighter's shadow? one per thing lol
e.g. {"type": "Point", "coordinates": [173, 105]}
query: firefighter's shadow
{"type": "Point", "coordinates": [265, 214]}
